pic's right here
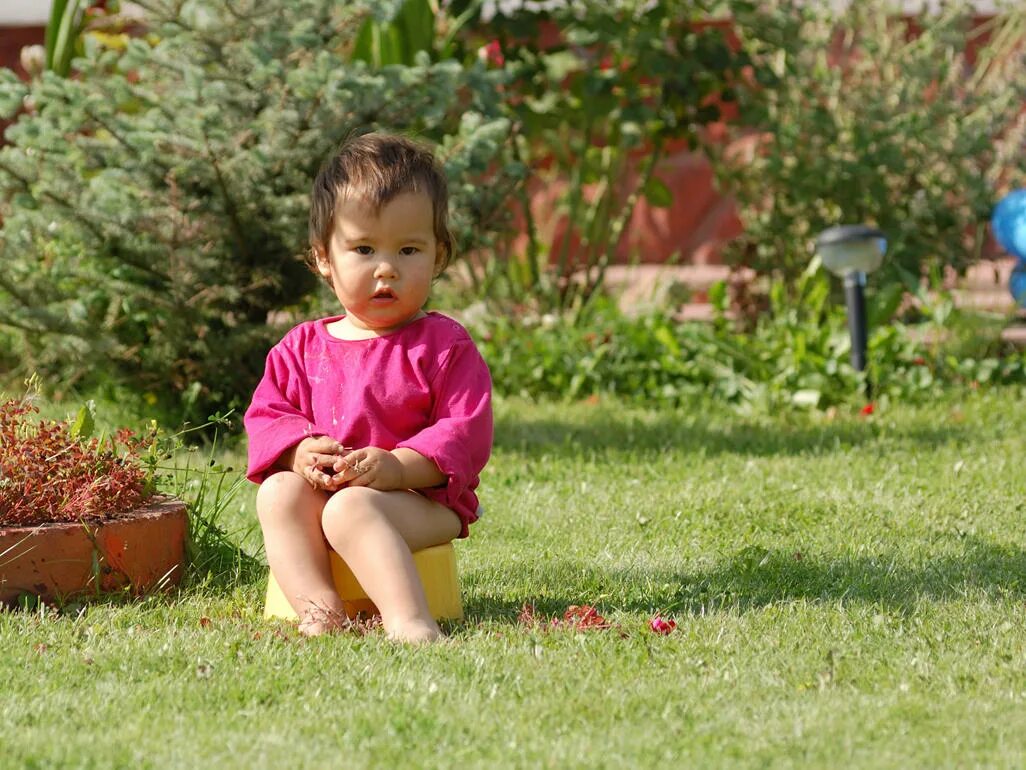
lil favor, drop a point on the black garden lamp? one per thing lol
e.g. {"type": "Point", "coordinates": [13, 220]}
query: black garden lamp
{"type": "Point", "coordinates": [852, 251]}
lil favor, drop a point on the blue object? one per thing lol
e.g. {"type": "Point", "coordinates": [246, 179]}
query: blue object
{"type": "Point", "coordinates": [1017, 284]}
{"type": "Point", "coordinates": [1009, 223]}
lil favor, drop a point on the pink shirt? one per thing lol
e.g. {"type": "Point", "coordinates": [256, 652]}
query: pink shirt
{"type": "Point", "coordinates": [424, 387]}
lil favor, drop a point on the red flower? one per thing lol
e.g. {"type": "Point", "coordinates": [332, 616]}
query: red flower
{"type": "Point", "coordinates": [583, 616]}
{"type": "Point", "coordinates": [919, 361]}
{"type": "Point", "coordinates": [576, 618]}
{"type": "Point", "coordinates": [491, 53]}
{"type": "Point", "coordinates": [661, 625]}
{"type": "Point", "coordinates": [868, 409]}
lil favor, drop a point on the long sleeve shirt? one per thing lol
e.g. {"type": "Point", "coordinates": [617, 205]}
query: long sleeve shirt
{"type": "Point", "coordinates": [424, 387]}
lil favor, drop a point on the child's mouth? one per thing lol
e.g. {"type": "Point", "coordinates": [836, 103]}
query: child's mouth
{"type": "Point", "coordinates": [383, 296]}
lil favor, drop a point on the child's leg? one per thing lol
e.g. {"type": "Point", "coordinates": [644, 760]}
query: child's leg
{"type": "Point", "coordinates": [374, 532]}
{"type": "Point", "coordinates": [289, 510]}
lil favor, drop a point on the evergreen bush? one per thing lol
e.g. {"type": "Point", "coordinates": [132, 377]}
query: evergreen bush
{"type": "Point", "coordinates": [154, 205]}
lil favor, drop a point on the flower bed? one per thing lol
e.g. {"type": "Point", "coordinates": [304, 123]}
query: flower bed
{"type": "Point", "coordinates": [79, 514]}
{"type": "Point", "coordinates": [50, 471]}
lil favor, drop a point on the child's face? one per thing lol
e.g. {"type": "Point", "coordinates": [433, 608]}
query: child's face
{"type": "Point", "coordinates": [381, 264]}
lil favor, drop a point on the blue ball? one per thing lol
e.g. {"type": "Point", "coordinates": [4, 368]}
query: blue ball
{"type": "Point", "coordinates": [1009, 223]}
{"type": "Point", "coordinates": [1017, 284]}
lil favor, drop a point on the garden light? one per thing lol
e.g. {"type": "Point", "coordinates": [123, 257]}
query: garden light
{"type": "Point", "coordinates": [852, 251]}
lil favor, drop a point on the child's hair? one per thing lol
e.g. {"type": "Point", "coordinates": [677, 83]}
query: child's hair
{"type": "Point", "coordinates": [379, 167]}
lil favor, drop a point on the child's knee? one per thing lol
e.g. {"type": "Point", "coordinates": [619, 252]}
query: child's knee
{"type": "Point", "coordinates": [280, 490]}
{"type": "Point", "coordinates": [350, 507]}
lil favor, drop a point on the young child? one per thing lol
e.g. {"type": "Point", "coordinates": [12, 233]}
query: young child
{"type": "Point", "coordinates": [369, 430]}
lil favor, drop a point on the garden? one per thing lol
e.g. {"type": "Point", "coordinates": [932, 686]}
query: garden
{"type": "Point", "coordinates": [708, 542]}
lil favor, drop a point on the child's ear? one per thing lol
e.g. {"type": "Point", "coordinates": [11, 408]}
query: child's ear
{"type": "Point", "coordinates": [320, 255]}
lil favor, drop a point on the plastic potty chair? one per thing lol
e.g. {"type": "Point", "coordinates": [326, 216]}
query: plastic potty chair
{"type": "Point", "coordinates": [436, 567]}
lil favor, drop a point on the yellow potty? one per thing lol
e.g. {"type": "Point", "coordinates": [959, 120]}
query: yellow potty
{"type": "Point", "coordinates": [436, 567]}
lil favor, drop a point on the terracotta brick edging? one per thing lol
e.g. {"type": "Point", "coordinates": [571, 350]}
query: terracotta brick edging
{"type": "Point", "coordinates": [142, 550]}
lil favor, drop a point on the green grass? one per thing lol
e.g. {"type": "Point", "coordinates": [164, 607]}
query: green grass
{"type": "Point", "coordinates": [848, 591]}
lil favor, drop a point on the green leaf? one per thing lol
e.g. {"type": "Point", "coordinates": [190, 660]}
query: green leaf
{"type": "Point", "coordinates": [657, 193]}
{"type": "Point", "coordinates": [665, 336]}
{"type": "Point", "coordinates": [548, 102]}
{"type": "Point", "coordinates": [560, 65]}
{"type": "Point", "coordinates": [52, 26]}
{"type": "Point", "coordinates": [884, 304]}
{"type": "Point", "coordinates": [718, 296]}
{"type": "Point", "coordinates": [67, 34]}
{"type": "Point", "coordinates": [417, 24]}
{"type": "Point", "coordinates": [85, 422]}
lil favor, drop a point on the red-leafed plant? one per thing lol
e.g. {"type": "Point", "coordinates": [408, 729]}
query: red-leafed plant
{"type": "Point", "coordinates": [51, 471]}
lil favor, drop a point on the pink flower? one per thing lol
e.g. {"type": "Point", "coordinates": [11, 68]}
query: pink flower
{"type": "Point", "coordinates": [661, 625]}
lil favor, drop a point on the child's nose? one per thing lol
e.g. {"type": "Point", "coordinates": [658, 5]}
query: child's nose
{"type": "Point", "coordinates": [386, 269]}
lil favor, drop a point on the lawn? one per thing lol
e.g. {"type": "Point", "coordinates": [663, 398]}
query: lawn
{"type": "Point", "coordinates": [848, 590]}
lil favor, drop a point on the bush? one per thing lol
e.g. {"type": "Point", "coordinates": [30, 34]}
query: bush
{"type": "Point", "coordinates": [865, 117]}
{"type": "Point", "coordinates": [154, 205]}
{"type": "Point", "coordinates": [796, 356]}
{"type": "Point", "coordinates": [601, 93]}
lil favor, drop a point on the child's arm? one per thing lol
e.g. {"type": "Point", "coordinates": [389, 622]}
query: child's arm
{"type": "Point", "coordinates": [278, 419]}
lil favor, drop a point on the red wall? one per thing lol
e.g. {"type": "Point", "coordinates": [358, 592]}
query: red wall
{"type": "Point", "coordinates": [12, 40]}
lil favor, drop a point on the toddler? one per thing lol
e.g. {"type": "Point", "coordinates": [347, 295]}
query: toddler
{"type": "Point", "coordinates": [369, 429]}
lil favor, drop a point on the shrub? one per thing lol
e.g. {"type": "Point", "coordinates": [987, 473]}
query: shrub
{"type": "Point", "coordinates": [796, 356]}
{"type": "Point", "coordinates": [601, 93]}
{"type": "Point", "coordinates": [866, 117]}
{"type": "Point", "coordinates": [50, 473]}
{"type": "Point", "coordinates": [154, 206]}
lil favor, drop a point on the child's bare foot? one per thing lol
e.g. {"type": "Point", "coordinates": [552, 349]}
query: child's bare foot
{"type": "Point", "coordinates": [415, 632]}
{"type": "Point", "coordinates": [321, 620]}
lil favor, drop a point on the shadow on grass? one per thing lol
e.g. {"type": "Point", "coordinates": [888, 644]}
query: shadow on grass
{"type": "Point", "coordinates": [688, 432]}
{"type": "Point", "coordinates": [216, 560]}
{"type": "Point", "coordinates": [756, 577]}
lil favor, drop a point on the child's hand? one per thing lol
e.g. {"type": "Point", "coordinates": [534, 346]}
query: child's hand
{"type": "Point", "coordinates": [370, 467]}
{"type": "Point", "coordinates": [315, 459]}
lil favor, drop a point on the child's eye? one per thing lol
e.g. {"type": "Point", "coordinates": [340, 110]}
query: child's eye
{"type": "Point", "coordinates": [365, 250]}
{"type": "Point", "coordinates": [408, 250]}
